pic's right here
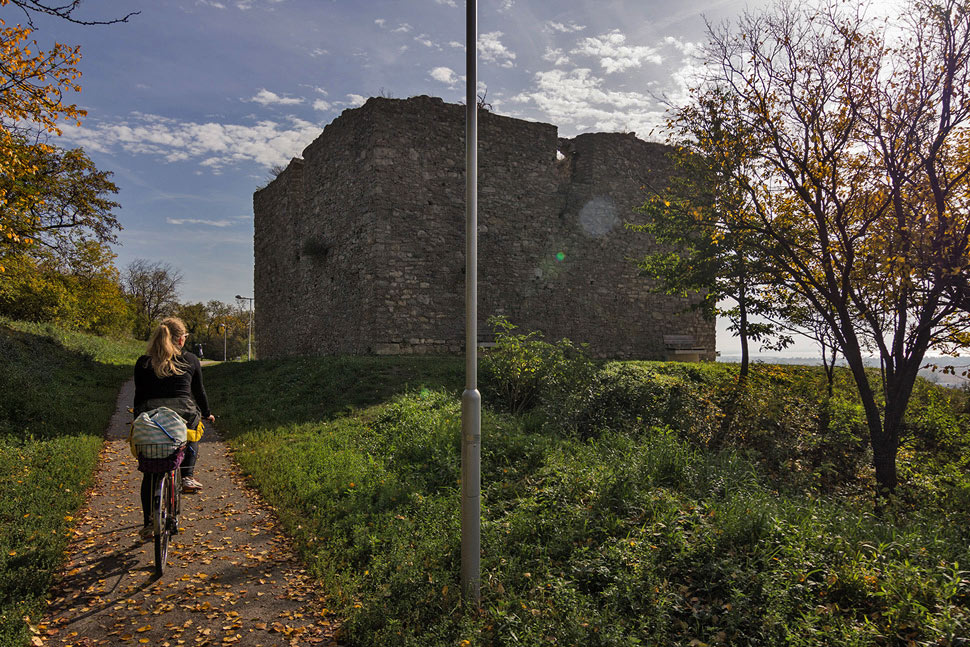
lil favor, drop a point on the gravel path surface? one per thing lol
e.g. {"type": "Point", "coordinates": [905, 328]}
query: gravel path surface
{"type": "Point", "coordinates": [232, 577]}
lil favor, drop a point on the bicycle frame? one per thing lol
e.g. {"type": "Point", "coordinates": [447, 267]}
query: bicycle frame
{"type": "Point", "coordinates": [166, 505]}
{"type": "Point", "coordinates": [166, 494]}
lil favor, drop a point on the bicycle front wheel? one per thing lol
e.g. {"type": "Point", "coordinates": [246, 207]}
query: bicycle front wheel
{"type": "Point", "coordinates": [162, 503]}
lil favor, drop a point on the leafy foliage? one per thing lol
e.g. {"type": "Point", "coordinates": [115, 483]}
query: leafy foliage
{"type": "Point", "coordinates": [844, 143]}
{"type": "Point", "coordinates": [222, 329]}
{"type": "Point", "coordinates": [522, 369]}
{"type": "Point", "coordinates": [704, 246]}
{"type": "Point", "coordinates": [633, 533]}
{"type": "Point", "coordinates": [65, 205]}
{"type": "Point", "coordinates": [32, 87]}
{"type": "Point", "coordinates": [48, 196]}
{"type": "Point", "coordinates": [87, 297]}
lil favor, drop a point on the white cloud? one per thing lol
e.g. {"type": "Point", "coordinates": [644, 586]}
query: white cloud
{"type": "Point", "coordinates": [243, 5]}
{"type": "Point", "coordinates": [266, 98]}
{"type": "Point", "coordinates": [403, 28]}
{"type": "Point", "coordinates": [566, 29]}
{"type": "Point", "coordinates": [320, 104]}
{"type": "Point", "coordinates": [356, 100]}
{"type": "Point", "coordinates": [449, 3]}
{"type": "Point", "coordinates": [380, 22]}
{"type": "Point", "coordinates": [319, 52]}
{"type": "Point", "coordinates": [686, 47]}
{"type": "Point", "coordinates": [491, 49]}
{"type": "Point", "coordinates": [506, 5]}
{"type": "Point", "coordinates": [576, 100]}
{"type": "Point", "coordinates": [199, 221]}
{"type": "Point", "coordinates": [687, 76]}
{"type": "Point", "coordinates": [456, 44]}
{"type": "Point", "coordinates": [444, 75]}
{"type": "Point", "coordinates": [555, 56]}
{"type": "Point", "coordinates": [424, 40]}
{"type": "Point", "coordinates": [614, 54]}
{"type": "Point", "coordinates": [214, 145]}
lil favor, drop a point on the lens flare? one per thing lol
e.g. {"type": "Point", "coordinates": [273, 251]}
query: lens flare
{"type": "Point", "coordinates": [560, 256]}
{"type": "Point", "coordinates": [598, 216]}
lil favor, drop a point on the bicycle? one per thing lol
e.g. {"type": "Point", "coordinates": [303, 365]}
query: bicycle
{"type": "Point", "coordinates": [163, 462]}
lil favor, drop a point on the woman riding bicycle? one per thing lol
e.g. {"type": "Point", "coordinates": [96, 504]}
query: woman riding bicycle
{"type": "Point", "coordinates": [167, 376]}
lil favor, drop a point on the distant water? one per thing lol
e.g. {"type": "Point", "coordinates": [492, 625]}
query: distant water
{"type": "Point", "coordinates": [959, 364]}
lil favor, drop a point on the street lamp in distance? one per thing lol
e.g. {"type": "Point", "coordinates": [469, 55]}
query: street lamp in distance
{"type": "Point", "coordinates": [225, 355]}
{"type": "Point", "coordinates": [250, 299]}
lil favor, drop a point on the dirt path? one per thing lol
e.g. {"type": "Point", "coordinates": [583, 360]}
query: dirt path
{"type": "Point", "coordinates": [232, 579]}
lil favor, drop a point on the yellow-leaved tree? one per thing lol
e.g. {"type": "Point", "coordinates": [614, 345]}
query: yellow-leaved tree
{"type": "Point", "coordinates": [34, 86]}
{"type": "Point", "coordinates": [56, 220]}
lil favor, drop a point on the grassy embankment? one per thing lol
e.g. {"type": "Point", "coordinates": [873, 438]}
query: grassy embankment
{"type": "Point", "coordinates": [58, 392]}
{"type": "Point", "coordinates": [618, 510]}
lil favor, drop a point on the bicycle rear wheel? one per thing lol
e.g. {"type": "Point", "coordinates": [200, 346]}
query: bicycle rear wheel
{"type": "Point", "coordinates": [162, 504]}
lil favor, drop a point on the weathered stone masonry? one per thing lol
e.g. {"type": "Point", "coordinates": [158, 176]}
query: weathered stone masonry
{"type": "Point", "coordinates": [359, 246]}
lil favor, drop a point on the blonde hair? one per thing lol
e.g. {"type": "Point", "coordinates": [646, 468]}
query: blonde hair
{"type": "Point", "coordinates": [163, 349]}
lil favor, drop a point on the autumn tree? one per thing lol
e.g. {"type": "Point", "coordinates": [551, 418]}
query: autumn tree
{"type": "Point", "coordinates": [152, 289]}
{"type": "Point", "coordinates": [222, 328]}
{"type": "Point", "coordinates": [703, 247]}
{"type": "Point", "coordinates": [851, 149]}
{"type": "Point", "coordinates": [64, 273]}
{"type": "Point", "coordinates": [34, 84]}
{"type": "Point", "coordinates": [65, 201]}
{"type": "Point", "coordinates": [85, 295]}
{"type": "Point", "coordinates": [195, 318]}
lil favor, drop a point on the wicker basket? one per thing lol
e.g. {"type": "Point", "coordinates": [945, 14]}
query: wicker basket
{"type": "Point", "coordinates": [160, 458]}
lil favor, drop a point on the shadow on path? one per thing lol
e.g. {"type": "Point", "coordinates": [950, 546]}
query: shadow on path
{"type": "Point", "coordinates": [232, 577]}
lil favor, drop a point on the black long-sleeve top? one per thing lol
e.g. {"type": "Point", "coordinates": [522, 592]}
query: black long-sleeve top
{"type": "Point", "coordinates": [149, 386]}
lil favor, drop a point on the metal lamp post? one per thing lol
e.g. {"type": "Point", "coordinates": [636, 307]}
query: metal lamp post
{"type": "Point", "coordinates": [225, 345]}
{"type": "Point", "coordinates": [471, 399]}
{"type": "Point", "coordinates": [250, 299]}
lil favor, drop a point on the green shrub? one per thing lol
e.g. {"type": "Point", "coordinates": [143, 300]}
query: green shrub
{"type": "Point", "coordinates": [624, 397]}
{"type": "Point", "coordinates": [521, 370]}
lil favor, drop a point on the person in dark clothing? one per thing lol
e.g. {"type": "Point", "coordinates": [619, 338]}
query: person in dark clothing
{"type": "Point", "coordinates": [168, 376]}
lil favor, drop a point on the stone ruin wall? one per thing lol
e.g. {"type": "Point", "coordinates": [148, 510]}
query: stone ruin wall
{"type": "Point", "coordinates": [359, 246]}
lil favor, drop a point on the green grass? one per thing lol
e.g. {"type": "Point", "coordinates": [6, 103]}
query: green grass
{"type": "Point", "coordinates": [314, 389]}
{"type": "Point", "coordinates": [59, 391]}
{"type": "Point", "coordinates": [603, 526]}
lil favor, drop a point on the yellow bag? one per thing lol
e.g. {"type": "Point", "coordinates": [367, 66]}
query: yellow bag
{"type": "Point", "coordinates": [131, 440]}
{"type": "Point", "coordinates": [195, 435]}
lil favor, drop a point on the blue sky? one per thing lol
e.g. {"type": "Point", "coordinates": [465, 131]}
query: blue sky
{"type": "Point", "coordinates": [192, 101]}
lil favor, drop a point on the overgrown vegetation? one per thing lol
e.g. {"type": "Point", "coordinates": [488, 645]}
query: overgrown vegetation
{"type": "Point", "coordinates": [826, 194]}
{"type": "Point", "coordinates": [59, 390]}
{"type": "Point", "coordinates": [618, 512]}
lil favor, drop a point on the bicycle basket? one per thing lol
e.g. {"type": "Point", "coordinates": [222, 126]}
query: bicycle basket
{"type": "Point", "coordinates": [163, 457]}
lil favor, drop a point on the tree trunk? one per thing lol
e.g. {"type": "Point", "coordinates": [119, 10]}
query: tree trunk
{"type": "Point", "coordinates": [885, 445]}
{"type": "Point", "coordinates": [883, 436]}
{"type": "Point", "coordinates": [884, 460]}
{"type": "Point", "coordinates": [734, 399]}
{"type": "Point", "coordinates": [829, 368]}
{"type": "Point", "coordinates": [743, 334]}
